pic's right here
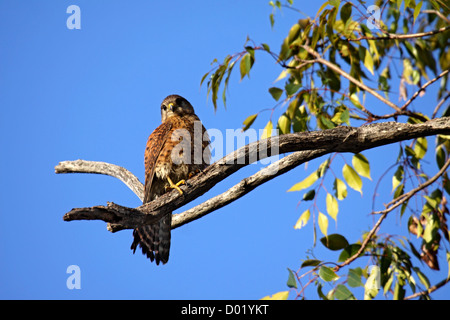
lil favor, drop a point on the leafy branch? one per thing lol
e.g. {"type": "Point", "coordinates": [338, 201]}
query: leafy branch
{"type": "Point", "coordinates": [339, 54]}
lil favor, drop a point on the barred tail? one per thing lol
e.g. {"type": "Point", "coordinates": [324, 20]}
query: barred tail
{"type": "Point", "coordinates": [154, 239]}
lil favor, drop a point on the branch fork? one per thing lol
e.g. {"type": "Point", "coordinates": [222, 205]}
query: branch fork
{"type": "Point", "coordinates": [302, 147]}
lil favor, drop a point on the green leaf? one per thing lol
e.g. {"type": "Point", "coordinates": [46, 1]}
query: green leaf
{"type": "Point", "coordinates": [349, 251]}
{"type": "Point", "coordinates": [324, 122]}
{"type": "Point", "coordinates": [355, 100]}
{"type": "Point", "coordinates": [249, 121]}
{"type": "Point", "coordinates": [341, 292]}
{"type": "Point", "coordinates": [399, 191]}
{"type": "Point", "coordinates": [294, 32]}
{"type": "Point", "coordinates": [372, 285]}
{"type": "Point", "coordinates": [282, 295]}
{"type": "Point", "coordinates": [332, 206]}
{"type": "Point", "coordinates": [310, 263]}
{"type": "Point", "coordinates": [352, 178]}
{"type": "Point", "coordinates": [334, 3]}
{"type": "Point", "coordinates": [276, 93]}
{"type": "Point", "coordinates": [309, 195]}
{"type": "Point", "coordinates": [284, 124]}
{"type": "Point", "coordinates": [354, 279]}
{"type": "Point", "coordinates": [366, 57]}
{"type": "Point", "coordinates": [291, 282]}
{"type": "Point", "coordinates": [266, 47]}
{"type": "Point", "coordinates": [267, 130]}
{"type": "Point", "coordinates": [420, 148]}
{"type": "Point", "coordinates": [292, 88]}
{"type": "Point", "coordinates": [417, 10]}
{"type": "Point", "coordinates": [423, 278]}
{"type": "Point", "coordinates": [320, 293]}
{"type": "Point", "coordinates": [303, 220]}
{"type": "Point", "coordinates": [397, 178]}
{"type": "Point", "coordinates": [361, 165]}
{"type": "Point", "coordinates": [305, 183]}
{"type": "Point", "coordinates": [323, 223]}
{"type": "Point", "coordinates": [334, 242]}
{"type": "Point", "coordinates": [246, 64]}
{"type": "Point", "coordinates": [346, 11]}
{"type": "Point", "coordinates": [388, 284]}
{"type": "Point", "coordinates": [203, 78]}
{"type": "Point", "coordinates": [323, 168]}
{"type": "Point", "coordinates": [399, 291]}
{"type": "Point", "coordinates": [340, 189]}
{"type": "Point", "coordinates": [440, 156]}
{"type": "Point", "coordinates": [327, 274]}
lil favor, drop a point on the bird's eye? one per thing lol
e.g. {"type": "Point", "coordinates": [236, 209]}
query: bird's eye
{"type": "Point", "coordinates": [164, 107]}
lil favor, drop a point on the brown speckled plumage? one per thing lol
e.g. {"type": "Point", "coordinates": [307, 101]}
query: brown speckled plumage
{"type": "Point", "coordinates": [166, 155]}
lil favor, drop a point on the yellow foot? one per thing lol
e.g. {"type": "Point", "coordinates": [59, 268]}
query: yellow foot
{"type": "Point", "coordinates": [193, 173]}
{"type": "Point", "coordinates": [175, 185]}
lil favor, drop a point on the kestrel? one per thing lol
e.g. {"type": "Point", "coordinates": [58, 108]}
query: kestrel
{"type": "Point", "coordinates": [176, 150]}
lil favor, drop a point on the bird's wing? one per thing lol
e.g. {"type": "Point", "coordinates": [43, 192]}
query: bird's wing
{"type": "Point", "coordinates": [155, 144]}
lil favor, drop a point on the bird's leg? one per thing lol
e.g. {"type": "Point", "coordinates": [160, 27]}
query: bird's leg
{"type": "Point", "coordinates": [175, 185]}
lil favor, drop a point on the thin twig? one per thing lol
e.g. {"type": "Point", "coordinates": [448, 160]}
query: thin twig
{"type": "Point", "coordinates": [429, 290]}
{"type": "Point", "coordinates": [391, 36]}
{"type": "Point", "coordinates": [350, 78]}
{"type": "Point", "coordinates": [439, 14]}
{"type": "Point", "coordinates": [422, 88]}
{"type": "Point", "coordinates": [439, 105]}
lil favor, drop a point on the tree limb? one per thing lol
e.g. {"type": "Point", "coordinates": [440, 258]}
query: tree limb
{"type": "Point", "coordinates": [83, 166]}
{"type": "Point", "coordinates": [242, 188]}
{"type": "Point", "coordinates": [340, 139]}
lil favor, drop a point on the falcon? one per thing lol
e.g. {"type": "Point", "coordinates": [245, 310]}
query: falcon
{"type": "Point", "coordinates": [175, 151]}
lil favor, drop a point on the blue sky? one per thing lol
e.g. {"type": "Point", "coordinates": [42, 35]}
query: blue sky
{"type": "Point", "coordinates": [94, 94]}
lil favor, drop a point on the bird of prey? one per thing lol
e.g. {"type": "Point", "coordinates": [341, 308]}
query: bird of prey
{"type": "Point", "coordinates": [176, 150]}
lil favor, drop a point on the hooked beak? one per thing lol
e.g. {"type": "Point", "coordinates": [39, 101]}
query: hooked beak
{"type": "Point", "coordinates": [171, 107]}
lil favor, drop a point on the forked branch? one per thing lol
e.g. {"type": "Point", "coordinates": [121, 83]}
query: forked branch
{"type": "Point", "coordinates": [306, 146]}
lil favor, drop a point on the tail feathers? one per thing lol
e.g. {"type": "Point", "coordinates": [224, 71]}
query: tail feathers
{"type": "Point", "coordinates": [154, 240]}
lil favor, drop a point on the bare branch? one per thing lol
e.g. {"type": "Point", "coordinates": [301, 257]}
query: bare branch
{"type": "Point", "coordinates": [429, 290]}
{"type": "Point", "coordinates": [440, 15]}
{"type": "Point", "coordinates": [391, 36]}
{"type": "Point", "coordinates": [439, 105]}
{"type": "Point", "coordinates": [246, 185]}
{"type": "Point", "coordinates": [340, 139]}
{"type": "Point", "coordinates": [422, 88]}
{"type": "Point", "coordinates": [127, 217]}
{"type": "Point", "coordinates": [83, 166]}
{"type": "Point", "coordinates": [239, 190]}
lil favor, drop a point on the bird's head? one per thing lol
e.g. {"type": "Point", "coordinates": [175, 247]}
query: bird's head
{"type": "Point", "coordinates": [175, 105]}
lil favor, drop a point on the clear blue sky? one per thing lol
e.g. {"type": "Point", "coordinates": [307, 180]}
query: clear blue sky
{"type": "Point", "coordinates": [94, 94]}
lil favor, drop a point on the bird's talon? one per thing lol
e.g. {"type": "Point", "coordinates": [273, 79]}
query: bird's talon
{"type": "Point", "coordinates": [175, 186]}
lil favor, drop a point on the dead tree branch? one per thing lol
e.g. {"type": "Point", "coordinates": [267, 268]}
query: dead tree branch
{"type": "Point", "coordinates": [83, 166]}
{"type": "Point", "coordinates": [305, 146]}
